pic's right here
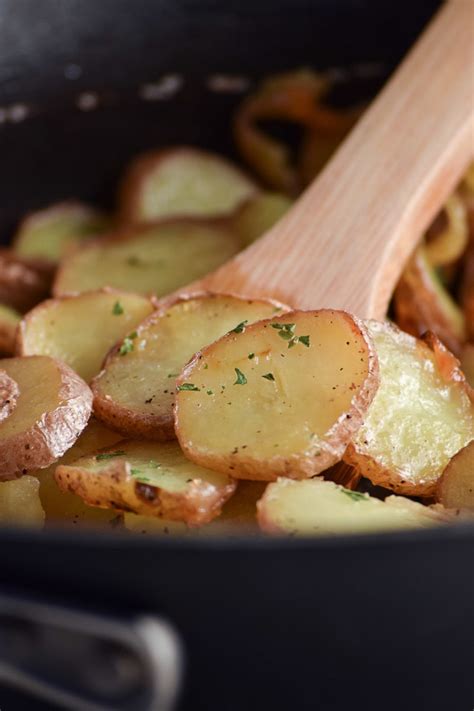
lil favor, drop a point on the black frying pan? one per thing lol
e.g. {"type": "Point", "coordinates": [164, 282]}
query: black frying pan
{"type": "Point", "coordinates": [380, 622]}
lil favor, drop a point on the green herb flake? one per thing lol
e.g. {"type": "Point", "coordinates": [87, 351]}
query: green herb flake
{"type": "Point", "coordinates": [355, 495]}
{"type": "Point", "coordinates": [117, 309]}
{"type": "Point", "coordinates": [209, 392]}
{"type": "Point", "coordinates": [240, 327]}
{"type": "Point", "coordinates": [188, 386]}
{"type": "Point", "coordinates": [268, 376]}
{"type": "Point", "coordinates": [172, 375]}
{"type": "Point", "coordinates": [241, 379]}
{"type": "Point", "coordinates": [139, 475]}
{"type": "Point", "coordinates": [251, 356]}
{"type": "Point", "coordinates": [304, 340]}
{"type": "Point", "coordinates": [153, 465]}
{"type": "Point", "coordinates": [206, 366]}
{"type": "Point", "coordinates": [285, 330]}
{"type": "Point", "coordinates": [110, 455]}
{"type": "Point", "coordinates": [127, 345]}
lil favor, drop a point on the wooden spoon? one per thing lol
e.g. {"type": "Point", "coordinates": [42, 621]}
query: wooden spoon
{"type": "Point", "coordinates": [344, 243]}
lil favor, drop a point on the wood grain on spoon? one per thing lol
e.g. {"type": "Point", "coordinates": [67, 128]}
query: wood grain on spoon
{"type": "Point", "coordinates": [344, 243]}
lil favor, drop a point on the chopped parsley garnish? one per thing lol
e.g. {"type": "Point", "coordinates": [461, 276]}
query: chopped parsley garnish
{"type": "Point", "coordinates": [355, 495]}
{"type": "Point", "coordinates": [127, 345]}
{"type": "Point", "coordinates": [241, 379]}
{"type": "Point", "coordinates": [286, 330]}
{"type": "Point", "coordinates": [209, 392]}
{"type": "Point", "coordinates": [138, 473]}
{"type": "Point", "coordinates": [206, 366]}
{"type": "Point", "coordinates": [188, 386]}
{"type": "Point", "coordinates": [173, 375]}
{"type": "Point", "coordinates": [268, 376]}
{"type": "Point", "coordinates": [117, 309]}
{"type": "Point", "coordinates": [251, 356]}
{"type": "Point", "coordinates": [110, 455]}
{"type": "Point", "coordinates": [240, 327]}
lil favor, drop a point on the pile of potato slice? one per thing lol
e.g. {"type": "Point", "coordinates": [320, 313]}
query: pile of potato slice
{"type": "Point", "coordinates": [127, 402]}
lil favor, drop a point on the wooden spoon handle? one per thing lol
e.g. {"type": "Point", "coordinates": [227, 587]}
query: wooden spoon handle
{"type": "Point", "coordinates": [344, 243]}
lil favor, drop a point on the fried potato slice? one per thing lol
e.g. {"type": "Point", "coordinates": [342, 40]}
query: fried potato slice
{"type": "Point", "coordinates": [257, 215]}
{"type": "Point", "coordinates": [455, 488]}
{"type": "Point", "coordinates": [284, 396]}
{"type": "Point", "coordinates": [49, 233]}
{"type": "Point", "coordinates": [319, 507]}
{"type": "Point", "coordinates": [52, 409]}
{"type": "Point", "coordinates": [154, 259]}
{"type": "Point", "coordinates": [147, 478]}
{"type": "Point", "coordinates": [23, 281]}
{"type": "Point", "coordinates": [181, 182]}
{"type": "Point", "coordinates": [134, 394]}
{"type": "Point", "coordinates": [63, 507]}
{"type": "Point", "coordinates": [9, 320]}
{"type": "Point", "coordinates": [238, 517]}
{"type": "Point", "coordinates": [80, 329]}
{"type": "Point", "coordinates": [423, 304]}
{"type": "Point", "coordinates": [420, 417]}
{"type": "Point", "coordinates": [20, 504]}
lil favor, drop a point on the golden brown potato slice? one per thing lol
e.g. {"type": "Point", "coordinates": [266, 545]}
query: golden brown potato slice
{"type": "Point", "coordinates": [257, 215]}
{"type": "Point", "coordinates": [134, 393]}
{"type": "Point", "coordinates": [455, 489]}
{"type": "Point", "coordinates": [283, 396]}
{"type": "Point", "coordinates": [23, 281]}
{"type": "Point", "coordinates": [148, 478]}
{"type": "Point", "coordinates": [52, 409]}
{"type": "Point", "coordinates": [238, 517]}
{"type": "Point", "coordinates": [63, 507]}
{"type": "Point", "coordinates": [9, 320]}
{"type": "Point", "coordinates": [154, 259]}
{"type": "Point", "coordinates": [20, 504]}
{"type": "Point", "coordinates": [181, 182]}
{"type": "Point", "coordinates": [423, 304]}
{"type": "Point", "coordinates": [49, 233]}
{"type": "Point", "coordinates": [319, 507]}
{"type": "Point", "coordinates": [81, 329]}
{"type": "Point", "coordinates": [420, 417]}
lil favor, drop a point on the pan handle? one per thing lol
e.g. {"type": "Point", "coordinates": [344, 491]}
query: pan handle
{"type": "Point", "coordinates": [87, 661]}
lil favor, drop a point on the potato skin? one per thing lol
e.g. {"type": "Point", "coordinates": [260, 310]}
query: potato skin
{"type": "Point", "coordinates": [132, 181]}
{"type": "Point", "coordinates": [47, 440]}
{"type": "Point", "coordinates": [368, 466]}
{"type": "Point", "coordinates": [319, 456]}
{"type": "Point", "coordinates": [114, 487]}
{"type": "Point", "coordinates": [128, 422]}
{"type": "Point", "coordinates": [9, 392]}
{"type": "Point", "coordinates": [23, 281]}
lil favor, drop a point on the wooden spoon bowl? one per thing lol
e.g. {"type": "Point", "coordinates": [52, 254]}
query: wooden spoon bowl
{"type": "Point", "coordinates": [346, 240]}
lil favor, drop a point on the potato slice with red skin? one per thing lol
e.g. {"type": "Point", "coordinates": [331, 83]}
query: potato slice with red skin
{"type": "Point", "coordinates": [319, 507]}
{"type": "Point", "coordinates": [420, 417]}
{"type": "Point", "coordinates": [61, 507]}
{"type": "Point", "coordinates": [52, 409]}
{"type": "Point", "coordinates": [48, 234]}
{"type": "Point", "coordinates": [148, 478]}
{"type": "Point", "coordinates": [80, 329]}
{"type": "Point", "coordinates": [158, 258]}
{"type": "Point", "coordinates": [134, 393]}
{"type": "Point", "coordinates": [24, 281]}
{"type": "Point", "coordinates": [181, 182]}
{"type": "Point", "coordinates": [282, 397]}
{"type": "Point", "coordinates": [455, 489]}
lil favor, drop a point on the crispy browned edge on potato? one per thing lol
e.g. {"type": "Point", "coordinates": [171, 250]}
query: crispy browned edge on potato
{"type": "Point", "coordinates": [452, 490]}
{"type": "Point", "coordinates": [44, 442]}
{"type": "Point", "coordinates": [118, 416]}
{"type": "Point", "coordinates": [114, 487]}
{"type": "Point", "coordinates": [449, 368]}
{"type": "Point", "coordinates": [132, 180]}
{"type": "Point", "coordinates": [336, 438]}
{"type": "Point", "coordinates": [24, 281]}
